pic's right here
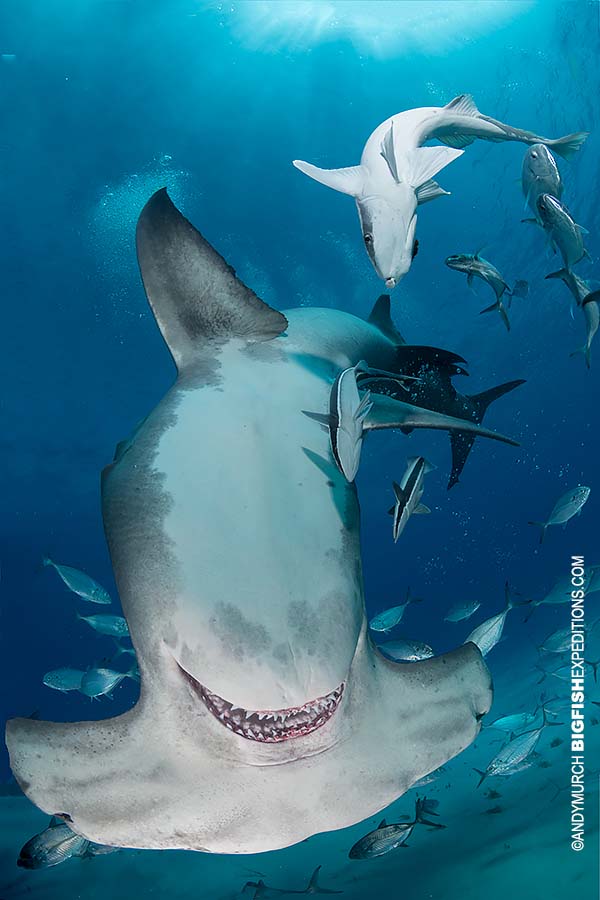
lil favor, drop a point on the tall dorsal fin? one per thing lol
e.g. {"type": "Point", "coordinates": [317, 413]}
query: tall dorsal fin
{"type": "Point", "coordinates": [381, 318]}
{"type": "Point", "coordinates": [195, 295]}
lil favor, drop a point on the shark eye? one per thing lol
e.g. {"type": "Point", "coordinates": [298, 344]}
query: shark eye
{"type": "Point", "coordinates": [368, 237]}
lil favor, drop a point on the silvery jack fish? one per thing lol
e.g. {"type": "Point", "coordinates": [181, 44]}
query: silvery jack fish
{"type": "Point", "coordinates": [256, 665]}
{"type": "Point", "coordinates": [80, 583]}
{"type": "Point", "coordinates": [396, 173]}
{"type": "Point", "coordinates": [386, 838]}
{"type": "Point", "coordinates": [488, 634]}
{"type": "Point", "coordinates": [408, 494]}
{"type": "Point", "coordinates": [568, 505]}
{"type": "Point", "coordinates": [389, 618]}
{"type": "Point", "coordinates": [561, 230]}
{"type": "Point", "coordinates": [474, 265]}
{"type": "Point", "coordinates": [540, 175]}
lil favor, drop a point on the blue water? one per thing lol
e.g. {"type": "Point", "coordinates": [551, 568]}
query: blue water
{"type": "Point", "coordinates": [101, 103]}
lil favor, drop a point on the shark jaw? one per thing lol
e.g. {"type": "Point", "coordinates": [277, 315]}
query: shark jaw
{"type": "Point", "coordinates": [268, 726]}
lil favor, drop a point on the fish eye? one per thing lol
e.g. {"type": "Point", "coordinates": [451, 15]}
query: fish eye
{"type": "Point", "coordinates": [534, 154]}
{"type": "Point", "coordinates": [368, 237]}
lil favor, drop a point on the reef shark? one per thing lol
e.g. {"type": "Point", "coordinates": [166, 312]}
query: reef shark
{"type": "Point", "coordinates": [266, 714]}
{"type": "Point", "coordinates": [396, 172]}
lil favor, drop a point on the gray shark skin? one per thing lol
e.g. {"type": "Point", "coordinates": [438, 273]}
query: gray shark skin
{"type": "Point", "coordinates": [435, 369]}
{"type": "Point", "coordinates": [235, 544]}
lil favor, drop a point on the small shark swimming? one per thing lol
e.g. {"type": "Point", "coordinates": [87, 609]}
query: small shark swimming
{"type": "Point", "coordinates": [266, 714]}
{"type": "Point", "coordinates": [396, 173]}
{"type": "Point", "coordinates": [433, 370]}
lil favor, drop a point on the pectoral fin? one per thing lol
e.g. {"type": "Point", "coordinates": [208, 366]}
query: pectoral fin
{"type": "Point", "coordinates": [389, 413]}
{"type": "Point", "coordinates": [348, 181]}
{"type": "Point", "coordinates": [430, 190]}
{"type": "Point", "coordinates": [425, 162]}
{"type": "Point", "coordinates": [422, 510]}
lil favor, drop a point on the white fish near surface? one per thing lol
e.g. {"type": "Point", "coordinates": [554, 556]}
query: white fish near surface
{"type": "Point", "coordinates": [408, 494]}
{"type": "Point", "coordinates": [80, 583]}
{"type": "Point", "coordinates": [64, 679]}
{"type": "Point", "coordinates": [405, 650]}
{"type": "Point", "coordinates": [462, 610]}
{"type": "Point", "coordinates": [561, 229]}
{"type": "Point", "coordinates": [487, 635]}
{"type": "Point", "coordinates": [113, 626]}
{"type": "Point", "coordinates": [101, 682]}
{"type": "Point", "coordinates": [389, 618]}
{"type": "Point", "coordinates": [540, 176]}
{"type": "Point", "coordinates": [396, 173]}
{"type": "Point", "coordinates": [515, 753]}
{"type": "Point", "coordinates": [568, 505]}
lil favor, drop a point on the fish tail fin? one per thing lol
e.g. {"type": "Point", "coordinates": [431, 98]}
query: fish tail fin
{"type": "Point", "coordinates": [543, 526]}
{"type": "Point", "coordinates": [561, 273]}
{"type": "Point", "coordinates": [568, 145]}
{"type": "Point", "coordinates": [46, 561]}
{"type": "Point", "coordinates": [482, 776]}
{"type": "Point", "coordinates": [520, 289]}
{"type": "Point", "coordinates": [491, 308]}
{"type": "Point", "coordinates": [586, 350]}
{"type": "Point", "coordinates": [545, 716]}
{"type": "Point", "coordinates": [594, 664]}
{"type": "Point", "coordinates": [482, 400]}
{"type": "Point", "coordinates": [133, 672]}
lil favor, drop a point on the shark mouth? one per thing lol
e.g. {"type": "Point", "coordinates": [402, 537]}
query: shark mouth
{"type": "Point", "coordinates": [269, 726]}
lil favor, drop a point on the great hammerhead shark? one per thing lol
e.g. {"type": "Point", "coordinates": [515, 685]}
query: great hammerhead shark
{"type": "Point", "coordinates": [266, 714]}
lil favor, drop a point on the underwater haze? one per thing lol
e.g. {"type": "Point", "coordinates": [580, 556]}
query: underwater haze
{"type": "Point", "coordinates": [103, 103]}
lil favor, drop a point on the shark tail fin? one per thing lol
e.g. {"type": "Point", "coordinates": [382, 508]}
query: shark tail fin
{"type": "Point", "coordinates": [586, 350]}
{"type": "Point", "coordinates": [568, 145]}
{"type": "Point", "coordinates": [347, 181]}
{"type": "Point", "coordinates": [482, 400]}
{"type": "Point", "coordinates": [381, 318]}
{"type": "Point", "coordinates": [195, 296]}
{"type": "Point", "coordinates": [543, 526]}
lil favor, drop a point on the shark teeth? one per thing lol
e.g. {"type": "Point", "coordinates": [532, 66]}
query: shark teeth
{"type": "Point", "coordinates": [269, 726]}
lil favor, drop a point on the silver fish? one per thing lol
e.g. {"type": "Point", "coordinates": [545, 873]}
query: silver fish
{"type": "Point", "coordinates": [406, 650]}
{"type": "Point", "coordinates": [561, 229]}
{"type": "Point", "coordinates": [100, 682]}
{"type": "Point", "coordinates": [55, 845]}
{"type": "Point", "coordinates": [114, 626]}
{"type": "Point", "coordinates": [567, 506]}
{"type": "Point", "coordinates": [408, 494]}
{"type": "Point", "coordinates": [514, 723]}
{"type": "Point", "coordinates": [63, 679]}
{"type": "Point", "coordinates": [558, 642]}
{"type": "Point", "coordinates": [540, 175]}
{"type": "Point", "coordinates": [591, 313]}
{"type": "Point", "coordinates": [80, 583]}
{"type": "Point", "coordinates": [487, 635]}
{"type": "Point", "coordinates": [561, 591]}
{"type": "Point", "coordinates": [386, 838]}
{"type": "Point", "coordinates": [474, 265]}
{"type": "Point", "coordinates": [389, 618]}
{"type": "Point", "coordinates": [516, 752]}
{"type": "Point", "coordinates": [462, 610]}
